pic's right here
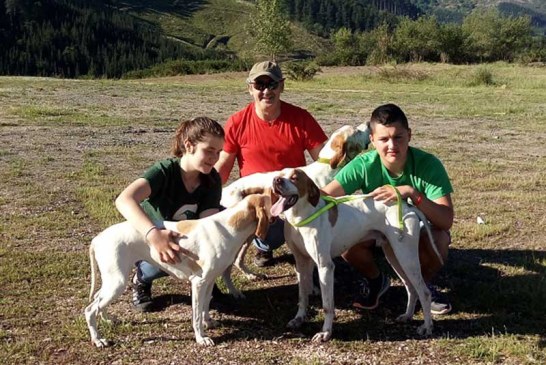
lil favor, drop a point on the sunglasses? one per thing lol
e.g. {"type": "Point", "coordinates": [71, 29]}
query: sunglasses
{"type": "Point", "coordinates": [259, 85]}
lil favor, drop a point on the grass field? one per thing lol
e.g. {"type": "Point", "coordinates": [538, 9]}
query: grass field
{"type": "Point", "coordinates": [67, 147]}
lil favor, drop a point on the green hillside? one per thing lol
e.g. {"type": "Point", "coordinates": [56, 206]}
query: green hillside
{"type": "Point", "coordinates": [217, 24]}
{"type": "Point", "coordinates": [456, 10]}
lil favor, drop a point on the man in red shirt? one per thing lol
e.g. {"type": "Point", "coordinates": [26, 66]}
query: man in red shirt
{"type": "Point", "coordinates": [268, 135]}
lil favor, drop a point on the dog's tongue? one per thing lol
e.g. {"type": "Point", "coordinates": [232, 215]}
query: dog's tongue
{"type": "Point", "coordinates": [278, 207]}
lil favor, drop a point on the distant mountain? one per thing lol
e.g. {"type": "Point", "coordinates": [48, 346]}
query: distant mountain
{"type": "Point", "coordinates": [456, 10]}
{"type": "Point", "coordinates": [74, 38]}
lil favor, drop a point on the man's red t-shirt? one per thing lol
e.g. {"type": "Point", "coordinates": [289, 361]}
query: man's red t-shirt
{"type": "Point", "coordinates": [264, 147]}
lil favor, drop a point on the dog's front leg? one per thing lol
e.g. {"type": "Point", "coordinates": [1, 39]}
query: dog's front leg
{"type": "Point", "coordinates": [326, 275]}
{"type": "Point", "coordinates": [198, 298]}
{"type": "Point", "coordinates": [208, 321]}
{"type": "Point", "coordinates": [304, 271]}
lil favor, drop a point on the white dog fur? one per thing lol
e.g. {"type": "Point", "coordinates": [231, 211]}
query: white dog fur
{"type": "Point", "coordinates": [209, 246]}
{"type": "Point", "coordinates": [343, 145]}
{"type": "Point", "coordinates": [338, 229]}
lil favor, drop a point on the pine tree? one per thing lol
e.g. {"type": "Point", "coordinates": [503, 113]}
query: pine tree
{"type": "Point", "coordinates": [271, 29]}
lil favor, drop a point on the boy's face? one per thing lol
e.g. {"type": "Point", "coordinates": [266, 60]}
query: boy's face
{"type": "Point", "coordinates": [391, 142]}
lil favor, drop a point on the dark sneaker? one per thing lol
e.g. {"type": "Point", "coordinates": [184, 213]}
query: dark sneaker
{"type": "Point", "coordinates": [370, 291]}
{"type": "Point", "coordinates": [263, 258]}
{"type": "Point", "coordinates": [439, 302]}
{"type": "Point", "coordinates": [142, 295]}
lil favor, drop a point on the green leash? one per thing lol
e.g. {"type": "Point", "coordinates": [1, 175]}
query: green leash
{"type": "Point", "coordinates": [331, 202]}
{"type": "Point", "coordinates": [399, 205]}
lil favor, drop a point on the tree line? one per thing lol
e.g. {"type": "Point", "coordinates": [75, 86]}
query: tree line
{"type": "Point", "coordinates": [76, 38]}
{"type": "Point", "coordinates": [81, 38]}
{"type": "Point", "coordinates": [323, 16]}
{"type": "Point", "coordinates": [485, 35]}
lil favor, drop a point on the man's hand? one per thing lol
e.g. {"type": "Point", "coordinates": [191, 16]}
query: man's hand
{"type": "Point", "coordinates": [386, 193]}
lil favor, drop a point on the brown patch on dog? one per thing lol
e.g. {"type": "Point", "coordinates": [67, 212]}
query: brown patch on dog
{"type": "Point", "coordinates": [254, 190]}
{"type": "Point", "coordinates": [306, 186]}
{"type": "Point", "coordinates": [244, 217]}
{"type": "Point", "coordinates": [240, 219]}
{"type": "Point", "coordinates": [185, 227]}
{"type": "Point", "coordinates": [332, 215]}
{"type": "Point", "coordinates": [339, 146]}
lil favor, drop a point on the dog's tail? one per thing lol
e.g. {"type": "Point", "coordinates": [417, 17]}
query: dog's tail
{"type": "Point", "coordinates": [93, 263]}
{"type": "Point", "coordinates": [429, 232]}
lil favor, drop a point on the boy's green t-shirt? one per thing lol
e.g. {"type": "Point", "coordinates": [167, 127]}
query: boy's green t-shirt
{"type": "Point", "coordinates": [424, 171]}
{"type": "Point", "coordinates": [169, 199]}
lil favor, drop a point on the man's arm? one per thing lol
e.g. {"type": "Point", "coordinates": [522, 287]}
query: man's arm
{"type": "Point", "coordinates": [314, 153]}
{"type": "Point", "coordinates": [334, 188]}
{"type": "Point", "coordinates": [225, 165]}
{"type": "Point", "coordinates": [438, 211]}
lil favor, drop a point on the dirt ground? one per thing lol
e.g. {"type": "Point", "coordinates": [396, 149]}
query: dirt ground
{"type": "Point", "coordinates": [64, 140]}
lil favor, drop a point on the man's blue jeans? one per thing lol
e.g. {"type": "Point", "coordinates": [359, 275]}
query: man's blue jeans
{"type": "Point", "coordinates": [274, 238]}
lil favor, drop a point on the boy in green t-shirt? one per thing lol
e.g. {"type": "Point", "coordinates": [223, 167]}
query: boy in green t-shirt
{"type": "Point", "coordinates": [418, 176]}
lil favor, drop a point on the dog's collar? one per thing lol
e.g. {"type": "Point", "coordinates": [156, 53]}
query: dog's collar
{"type": "Point", "coordinates": [323, 160]}
{"type": "Point", "coordinates": [331, 202]}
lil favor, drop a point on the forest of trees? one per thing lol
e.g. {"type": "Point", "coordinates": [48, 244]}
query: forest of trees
{"type": "Point", "coordinates": [323, 16]}
{"type": "Point", "coordinates": [81, 38]}
{"type": "Point", "coordinates": [76, 38]}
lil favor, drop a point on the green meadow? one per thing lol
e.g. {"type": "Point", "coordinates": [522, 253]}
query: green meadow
{"type": "Point", "coordinates": [68, 147]}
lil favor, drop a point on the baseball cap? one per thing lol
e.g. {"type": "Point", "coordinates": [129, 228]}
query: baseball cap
{"type": "Point", "coordinates": [266, 68]}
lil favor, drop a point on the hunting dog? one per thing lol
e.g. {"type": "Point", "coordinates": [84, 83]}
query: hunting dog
{"type": "Point", "coordinates": [343, 145]}
{"type": "Point", "coordinates": [316, 242]}
{"type": "Point", "coordinates": [209, 246]}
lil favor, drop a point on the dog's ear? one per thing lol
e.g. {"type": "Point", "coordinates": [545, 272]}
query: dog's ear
{"type": "Point", "coordinates": [313, 192]}
{"type": "Point", "coordinates": [271, 195]}
{"type": "Point", "coordinates": [339, 146]}
{"type": "Point", "coordinates": [263, 222]}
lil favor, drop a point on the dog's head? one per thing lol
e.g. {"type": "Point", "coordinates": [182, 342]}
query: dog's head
{"type": "Point", "coordinates": [255, 208]}
{"type": "Point", "coordinates": [345, 144]}
{"type": "Point", "coordinates": [292, 187]}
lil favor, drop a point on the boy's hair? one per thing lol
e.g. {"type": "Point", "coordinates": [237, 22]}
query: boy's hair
{"type": "Point", "coordinates": [388, 114]}
{"type": "Point", "coordinates": [194, 131]}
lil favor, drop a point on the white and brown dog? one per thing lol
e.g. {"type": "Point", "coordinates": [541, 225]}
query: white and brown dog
{"type": "Point", "coordinates": [343, 145]}
{"type": "Point", "coordinates": [209, 245]}
{"type": "Point", "coordinates": [338, 229]}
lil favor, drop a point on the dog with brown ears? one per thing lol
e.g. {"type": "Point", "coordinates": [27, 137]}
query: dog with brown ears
{"type": "Point", "coordinates": [315, 239]}
{"type": "Point", "coordinates": [209, 246]}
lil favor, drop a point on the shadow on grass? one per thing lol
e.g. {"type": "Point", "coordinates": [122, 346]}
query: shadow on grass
{"type": "Point", "coordinates": [492, 291]}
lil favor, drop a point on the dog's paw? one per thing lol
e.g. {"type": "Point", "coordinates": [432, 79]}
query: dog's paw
{"type": "Point", "coordinates": [295, 323]}
{"type": "Point", "coordinates": [404, 318]}
{"type": "Point", "coordinates": [322, 336]}
{"type": "Point", "coordinates": [204, 341]}
{"type": "Point", "coordinates": [424, 330]}
{"type": "Point", "coordinates": [102, 342]}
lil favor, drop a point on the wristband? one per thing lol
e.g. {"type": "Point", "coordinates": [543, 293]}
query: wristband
{"type": "Point", "coordinates": [419, 199]}
{"type": "Point", "coordinates": [148, 231]}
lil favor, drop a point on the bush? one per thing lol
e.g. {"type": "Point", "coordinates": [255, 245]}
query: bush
{"type": "Point", "coordinates": [301, 71]}
{"type": "Point", "coordinates": [482, 76]}
{"type": "Point", "coordinates": [401, 74]}
{"type": "Point", "coordinates": [186, 67]}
